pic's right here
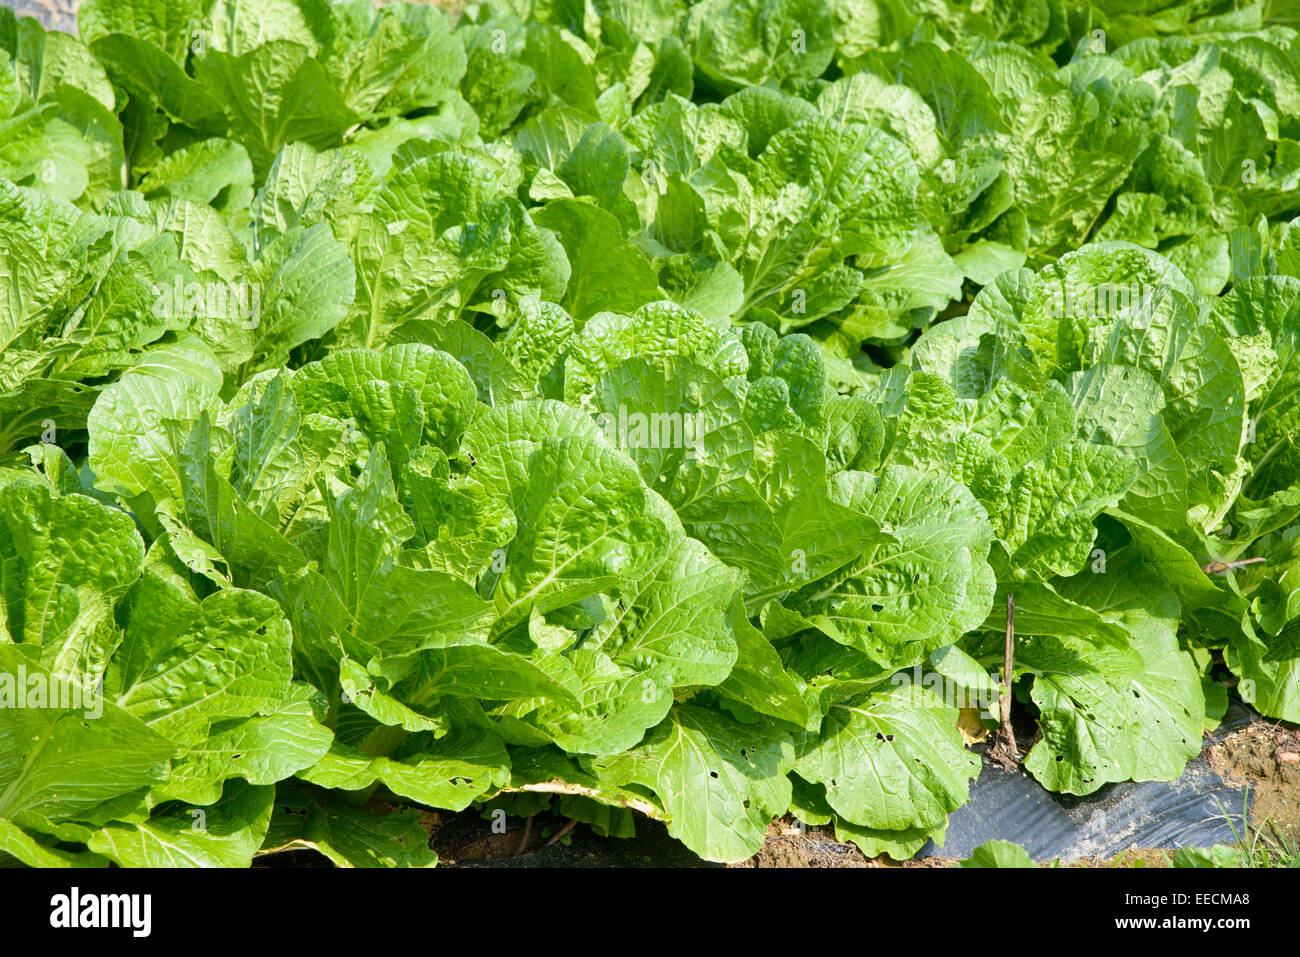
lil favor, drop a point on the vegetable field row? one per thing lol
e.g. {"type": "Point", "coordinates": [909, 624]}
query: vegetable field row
{"type": "Point", "coordinates": [628, 407]}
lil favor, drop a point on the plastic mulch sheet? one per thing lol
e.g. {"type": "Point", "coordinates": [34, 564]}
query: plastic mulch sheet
{"type": "Point", "coordinates": [1198, 809]}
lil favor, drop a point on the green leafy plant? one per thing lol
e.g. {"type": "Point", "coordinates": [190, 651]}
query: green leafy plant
{"type": "Point", "coordinates": [630, 409]}
{"type": "Point", "coordinates": [998, 854]}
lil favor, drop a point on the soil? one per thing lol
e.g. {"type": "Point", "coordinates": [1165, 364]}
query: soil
{"type": "Point", "coordinates": [62, 14]}
{"type": "Point", "coordinates": [469, 840]}
{"type": "Point", "coordinates": [53, 14]}
{"type": "Point", "coordinates": [1265, 755]}
{"type": "Point", "coordinates": [791, 846]}
{"type": "Point", "coordinates": [1137, 857]}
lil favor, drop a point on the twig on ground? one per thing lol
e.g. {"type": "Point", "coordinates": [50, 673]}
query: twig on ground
{"type": "Point", "coordinates": [1004, 750]}
{"type": "Point", "coordinates": [561, 832]}
{"type": "Point", "coordinates": [1216, 568]}
{"type": "Point", "coordinates": [528, 832]}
